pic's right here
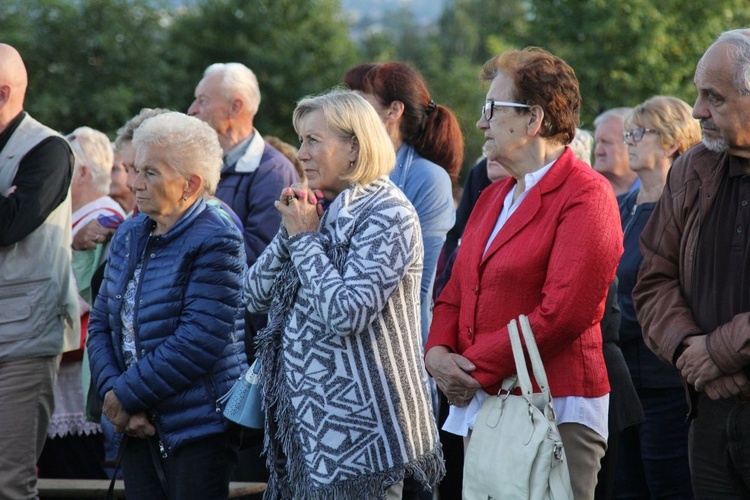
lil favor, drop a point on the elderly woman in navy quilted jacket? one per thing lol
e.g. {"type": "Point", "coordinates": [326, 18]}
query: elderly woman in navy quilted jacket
{"type": "Point", "coordinates": [166, 332]}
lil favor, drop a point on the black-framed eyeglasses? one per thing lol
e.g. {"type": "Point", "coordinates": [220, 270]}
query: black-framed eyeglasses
{"type": "Point", "coordinates": [636, 134]}
{"type": "Point", "coordinates": [489, 106]}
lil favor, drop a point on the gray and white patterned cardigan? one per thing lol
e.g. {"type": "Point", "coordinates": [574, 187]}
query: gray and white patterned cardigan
{"type": "Point", "coordinates": [345, 389]}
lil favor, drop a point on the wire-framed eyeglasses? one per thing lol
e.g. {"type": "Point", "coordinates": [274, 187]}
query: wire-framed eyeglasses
{"type": "Point", "coordinates": [636, 134]}
{"type": "Point", "coordinates": [489, 106]}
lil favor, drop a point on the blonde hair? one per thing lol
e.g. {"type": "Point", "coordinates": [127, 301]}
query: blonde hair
{"type": "Point", "coordinates": [190, 146]}
{"type": "Point", "coordinates": [671, 117]}
{"type": "Point", "coordinates": [351, 116]}
{"type": "Point", "coordinates": [93, 149]}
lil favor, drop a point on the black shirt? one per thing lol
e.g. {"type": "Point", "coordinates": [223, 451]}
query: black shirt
{"type": "Point", "coordinates": [722, 265]}
{"type": "Point", "coordinates": [42, 183]}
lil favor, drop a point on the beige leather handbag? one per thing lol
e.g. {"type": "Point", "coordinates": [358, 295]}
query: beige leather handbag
{"type": "Point", "coordinates": [515, 449]}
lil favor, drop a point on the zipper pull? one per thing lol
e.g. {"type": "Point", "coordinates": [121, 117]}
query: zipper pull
{"type": "Point", "coordinates": [162, 450]}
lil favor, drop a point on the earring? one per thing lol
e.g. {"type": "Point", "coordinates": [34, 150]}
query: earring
{"type": "Point", "coordinates": [184, 197]}
{"type": "Point", "coordinates": [351, 164]}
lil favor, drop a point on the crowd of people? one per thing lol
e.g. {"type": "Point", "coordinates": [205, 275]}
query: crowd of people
{"type": "Point", "coordinates": [138, 278]}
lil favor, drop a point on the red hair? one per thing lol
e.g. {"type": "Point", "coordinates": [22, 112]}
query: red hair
{"type": "Point", "coordinates": [542, 79]}
{"type": "Point", "coordinates": [432, 129]}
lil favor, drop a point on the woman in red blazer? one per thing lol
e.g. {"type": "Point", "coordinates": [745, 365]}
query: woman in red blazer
{"type": "Point", "coordinates": [544, 242]}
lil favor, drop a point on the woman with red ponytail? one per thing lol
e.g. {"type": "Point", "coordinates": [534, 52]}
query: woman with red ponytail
{"type": "Point", "coordinates": [429, 153]}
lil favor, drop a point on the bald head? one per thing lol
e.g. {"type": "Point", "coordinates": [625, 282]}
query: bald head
{"type": "Point", "coordinates": [13, 81]}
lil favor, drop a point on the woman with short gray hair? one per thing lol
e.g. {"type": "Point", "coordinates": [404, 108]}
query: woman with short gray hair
{"type": "Point", "coordinates": [166, 334]}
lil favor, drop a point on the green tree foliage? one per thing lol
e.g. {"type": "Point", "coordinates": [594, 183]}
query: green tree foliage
{"type": "Point", "coordinates": [622, 52]}
{"type": "Point", "coordinates": [295, 48]}
{"type": "Point", "coordinates": [478, 28]}
{"type": "Point", "coordinates": [451, 75]}
{"type": "Point", "coordinates": [90, 62]}
{"type": "Point", "coordinates": [97, 62]}
{"type": "Point", "coordinates": [626, 52]}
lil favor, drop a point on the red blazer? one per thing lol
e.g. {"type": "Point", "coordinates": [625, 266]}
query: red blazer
{"type": "Point", "coordinates": [553, 260]}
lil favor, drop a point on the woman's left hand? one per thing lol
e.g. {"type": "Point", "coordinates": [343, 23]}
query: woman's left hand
{"type": "Point", "coordinates": [115, 412]}
{"type": "Point", "coordinates": [299, 209]}
{"type": "Point", "coordinates": [451, 373]}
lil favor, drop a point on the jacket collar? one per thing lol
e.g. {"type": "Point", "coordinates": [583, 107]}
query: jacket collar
{"type": "Point", "coordinates": [531, 204]}
{"type": "Point", "coordinates": [179, 228]}
{"type": "Point", "coordinates": [250, 159]}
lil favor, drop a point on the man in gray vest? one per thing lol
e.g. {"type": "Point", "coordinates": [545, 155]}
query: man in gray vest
{"type": "Point", "coordinates": [38, 304]}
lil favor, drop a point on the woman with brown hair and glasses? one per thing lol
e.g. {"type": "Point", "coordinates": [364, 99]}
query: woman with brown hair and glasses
{"type": "Point", "coordinates": [543, 242]}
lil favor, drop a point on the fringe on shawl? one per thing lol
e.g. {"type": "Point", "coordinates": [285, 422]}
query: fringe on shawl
{"type": "Point", "coordinates": [277, 408]}
{"type": "Point", "coordinates": [288, 474]}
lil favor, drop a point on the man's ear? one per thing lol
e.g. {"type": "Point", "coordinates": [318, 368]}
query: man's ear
{"type": "Point", "coordinates": [4, 95]}
{"type": "Point", "coordinates": [235, 107]}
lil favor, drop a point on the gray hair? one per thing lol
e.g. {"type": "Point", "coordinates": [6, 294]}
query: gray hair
{"type": "Point", "coordinates": [583, 145]}
{"type": "Point", "coordinates": [92, 149]}
{"type": "Point", "coordinates": [351, 116]}
{"type": "Point", "coordinates": [125, 133]}
{"type": "Point", "coordinates": [619, 113]}
{"type": "Point", "coordinates": [190, 146]}
{"type": "Point", "coordinates": [237, 81]}
{"type": "Point", "coordinates": [740, 39]}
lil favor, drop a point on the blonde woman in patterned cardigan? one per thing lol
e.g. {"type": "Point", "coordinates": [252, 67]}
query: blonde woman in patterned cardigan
{"type": "Point", "coordinates": [347, 404]}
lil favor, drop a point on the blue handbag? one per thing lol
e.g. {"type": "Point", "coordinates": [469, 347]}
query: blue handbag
{"type": "Point", "coordinates": [244, 401]}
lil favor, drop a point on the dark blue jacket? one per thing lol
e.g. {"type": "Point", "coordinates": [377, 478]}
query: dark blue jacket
{"type": "Point", "coordinates": [188, 323]}
{"type": "Point", "coordinates": [251, 195]}
{"type": "Point", "coordinates": [646, 370]}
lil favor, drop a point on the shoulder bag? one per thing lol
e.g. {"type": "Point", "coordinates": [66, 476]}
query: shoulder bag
{"type": "Point", "coordinates": [244, 401]}
{"type": "Point", "coordinates": [515, 450]}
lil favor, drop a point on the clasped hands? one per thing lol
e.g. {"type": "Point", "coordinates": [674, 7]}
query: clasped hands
{"type": "Point", "coordinates": [451, 373]}
{"type": "Point", "coordinates": [136, 425]}
{"type": "Point", "coordinates": [697, 367]}
{"type": "Point", "coordinates": [300, 208]}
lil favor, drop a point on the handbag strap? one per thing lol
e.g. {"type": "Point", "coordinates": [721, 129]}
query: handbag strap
{"type": "Point", "coordinates": [540, 374]}
{"type": "Point", "coordinates": [524, 382]}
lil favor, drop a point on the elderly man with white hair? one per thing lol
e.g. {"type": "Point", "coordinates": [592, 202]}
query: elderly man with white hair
{"type": "Point", "coordinates": [254, 172]}
{"type": "Point", "coordinates": [252, 176]}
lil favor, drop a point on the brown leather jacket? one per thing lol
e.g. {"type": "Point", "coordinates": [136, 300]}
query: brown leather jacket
{"type": "Point", "coordinates": [669, 245]}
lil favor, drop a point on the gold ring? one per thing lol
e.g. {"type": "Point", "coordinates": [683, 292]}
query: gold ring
{"type": "Point", "coordinates": [466, 393]}
{"type": "Point", "coordinates": [290, 199]}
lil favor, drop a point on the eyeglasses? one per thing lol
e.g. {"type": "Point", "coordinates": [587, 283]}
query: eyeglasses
{"type": "Point", "coordinates": [489, 107]}
{"type": "Point", "coordinates": [636, 134]}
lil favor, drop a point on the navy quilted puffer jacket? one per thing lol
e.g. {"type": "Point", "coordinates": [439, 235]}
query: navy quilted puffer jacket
{"type": "Point", "coordinates": [188, 322]}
